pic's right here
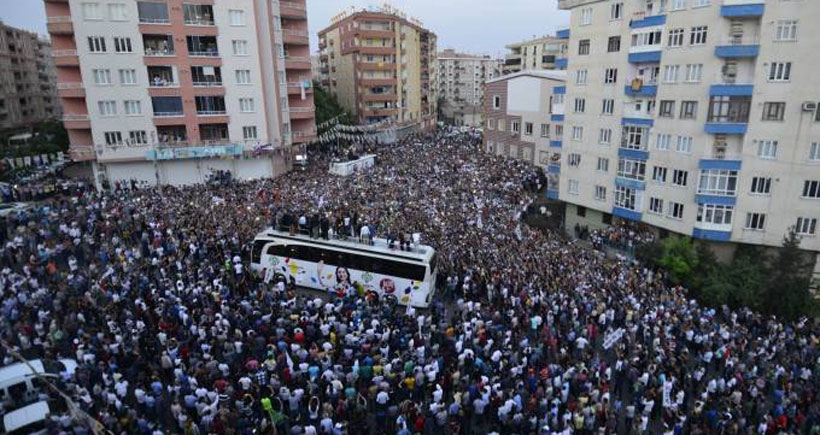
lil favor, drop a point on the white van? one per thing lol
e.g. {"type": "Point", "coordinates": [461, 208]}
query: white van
{"type": "Point", "coordinates": [19, 385]}
{"type": "Point", "coordinates": [28, 420]}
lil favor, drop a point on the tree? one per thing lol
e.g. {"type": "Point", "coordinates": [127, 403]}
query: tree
{"type": "Point", "coordinates": [740, 284]}
{"type": "Point", "coordinates": [328, 107]}
{"type": "Point", "coordinates": [679, 258]}
{"type": "Point", "coordinates": [786, 294]}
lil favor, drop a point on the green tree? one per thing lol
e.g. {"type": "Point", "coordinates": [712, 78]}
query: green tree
{"type": "Point", "coordinates": [679, 258]}
{"type": "Point", "coordinates": [740, 284]}
{"type": "Point", "coordinates": [328, 107]}
{"type": "Point", "coordinates": [786, 293]}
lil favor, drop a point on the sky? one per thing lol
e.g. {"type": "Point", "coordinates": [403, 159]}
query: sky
{"type": "Point", "coordinates": [470, 26]}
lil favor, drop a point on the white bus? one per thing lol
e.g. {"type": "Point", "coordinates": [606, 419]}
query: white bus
{"type": "Point", "coordinates": [343, 266]}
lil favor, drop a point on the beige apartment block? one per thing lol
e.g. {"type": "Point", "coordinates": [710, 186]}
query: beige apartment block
{"type": "Point", "coordinates": [381, 65]}
{"type": "Point", "coordinates": [541, 53]}
{"type": "Point", "coordinates": [697, 117]}
{"type": "Point", "coordinates": [28, 79]}
{"type": "Point", "coordinates": [461, 85]}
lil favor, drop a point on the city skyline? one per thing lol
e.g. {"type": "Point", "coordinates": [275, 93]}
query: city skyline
{"type": "Point", "coordinates": [454, 22]}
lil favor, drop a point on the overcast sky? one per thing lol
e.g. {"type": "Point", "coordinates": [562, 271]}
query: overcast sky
{"type": "Point", "coordinates": [473, 26]}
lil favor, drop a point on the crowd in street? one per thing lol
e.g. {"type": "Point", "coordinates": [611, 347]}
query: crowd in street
{"type": "Point", "coordinates": [623, 236]}
{"type": "Point", "coordinates": [150, 290]}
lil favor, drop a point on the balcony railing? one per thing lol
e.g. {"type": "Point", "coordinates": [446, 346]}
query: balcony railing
{"type": "Point", "coordinates": [158, 52]}
{"type": "Point", "coordinates": [58, 19]}
{"type": "Point", "coordinates": [64, 53]}
{"type": "Point", "coordinates": [169, 114]}
{"type": "Point", "coordinates": [146, 20]}
{"type": "Point", "coordinates": [71, 85]}
{"type": "Point", "coordinates": [199, 22]}
{"type": "Point", "coordinates": [209, 53]}
{"type": "Point", "coordinates": [295, 32]}
{"type": "Point", "coordinates": [67, 117]}
{"type": "Point", "coordinates": [208, 84]}
{"type": "Point", "coordinates": [302, 109]}
{"type": "Point", "coordinates": [210, 112]}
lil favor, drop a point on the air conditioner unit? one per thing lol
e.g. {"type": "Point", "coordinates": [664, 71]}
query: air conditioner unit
{"type": "Point", "coordinates": [809, 106]}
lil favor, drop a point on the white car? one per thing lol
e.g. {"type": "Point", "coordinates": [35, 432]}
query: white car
{"type": "Point", "coordinates": [14, 207]}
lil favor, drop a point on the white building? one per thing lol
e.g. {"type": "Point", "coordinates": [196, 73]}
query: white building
{"type": "Point", "coordinates": [461, 85]}
{"type": "Point", "coordinates": [698, 117]}
{"type": "Point", "coordinates": [546, 52]}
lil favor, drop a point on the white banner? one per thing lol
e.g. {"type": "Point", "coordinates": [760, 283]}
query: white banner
{"type": "Point", "coordinates": [613, 338]}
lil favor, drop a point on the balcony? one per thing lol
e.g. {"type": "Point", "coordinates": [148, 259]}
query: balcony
{"type": "Point", "coordinates": [738, 49]}
{"type": "Point", "coordinates": [65, 58]}
{"type": "Point", "coordinates": [60, 25]}
{"type": "Point", "coordinates": [70, 90]}
{"type": "Point", "coordinates": [641, 90]}
{"type": "Point", "coordinates": [76, 121]}
{"type": "Point", "coordinates": [561, 63]}
{"type": "Point", "coordinates": [379, 50]}
{"type": "Point", "coordinates": [206, 76]}
{"type": "Point", "coordinates": [210, 105]}
{"type": "Point", "coordinates": [387, 96]}
{"type": "Point", "coordinates": [202, 46]}
{"type": "Point", "coordinates": [82, 153]}
{"type": "Point", "coordinates": [172, 135]}
{"type": "Point", "coordinates": [742, 8]}
{"type": "Point", "coordinates": [713, 163]}
{"type": "Point", "coordinates": [381, 112]}
{"type": "Point", "coordinates": [653, 56]}
{"type": "Point", "coordinates": [303, 136]}
{"type": "Point", "coordinates": [731, 90]}
{"type": "Point", "coordinates": [295, 37]}
{"type": "Point", "coordinates": [640, 20]}
{"type": "Point", "coordinates": [636, 116]}
{"type": "Point", "coordinates": [297, 63]}
{"type": "Point", "coordinates": [198, 15]}
{"type": "Point", "coordinates": [554, 168]}
{"type": "Point", "coordinates": [625, 213]}
{"type": "Point", "coordinates": [726, 128]}
{"type": "Point", "coordinates": [302, 112]}
{"type": "Point", "coordinates": [634, 154]}
{"type": "Point", "coordinates": [152, 12]}
{"type": "Point", "coordinates": [295, 88]}
{"type": "Point", "coordinates": [158, 45]}
{"type": "Point", "coordinates": [161, 77]}
{"type": "Point", "coordinates": [376, 66]}
{"type": "Point", "coordinates": [294, 10]}
{"type": "Point", "coordinates": [374, 82]}
{"type": "Point", "coordinates": [562, 34]}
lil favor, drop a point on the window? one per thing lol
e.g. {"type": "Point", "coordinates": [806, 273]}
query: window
{"type": "Point", "coordinates": [761, 186]}
{"type": "Point", "coordinates": [675, 210]}
{"type": "Point", "coordinates": [667, 109]}
{"type": "Point", "coordinates": [662, 141]}
{"type": "Point", "coordinates": [123, 45]}
{"type": "Point", "coordinates": [573, 187]}
{"type": "Point", "coordinates": [243, 76]}
{"type": "Point", "coordinates": [559, 131]}
{"type": "Point", "coordinates": [694, 73]}
{"type": "Point", "coordinates": [240, 47]}
{"type": "Point", "coordinates": [608, 106]}
{"type": "Point", "coordinates": [616, 11]}
{"type": "Point", "coordinates": [128, 77]}
{"type": "Point", "coordinates": [698, 35]}
{"type": "Point", "coordinates": [633, 137]}
{"type": "Point", "coordinates": [581, 77]}
{"type": "Point", "coordinates": [688, 109]}
{"type": "Point", "coordinates": [132, 107]}
{"type": "Point", "coordinates": [600, 193]}
{"type": "Point", "coordinates": [786, 30]}
{"type": "Point", "coordinates": [670, 73]}
{"type": "Point", "coordinates": [780, 71]}
{"type": "Point", "coordinates": [96, 44]}
{"type": "Point", "coordinates": [577, 133]}
{"type": "Point", "coordinates": [647, 38]}
{"type": "Point", "coordinates": [675, 38]}
{"type": "Point", "coordinates": [656, 205]}
{"type": "Point", "coordinates": [700, 3]}
{"type": "Point", "coordinates": [611, 76]}
{"type": "Point", "coordinates": [755, 221]}
{"type": "Point", "coordinates": [137, 137]}
{"type": "Point", "coordinates": [729, 109]}
{"type": "Point", "coordinates": [605, 136]}
{"type": "Point", "coordinates": [679, 177]}
{"type": "Point", "coordinates": [580, 105]}
{"type": "Point", "coordinates": [811, 189]}
{"type": "Point", "coordinates": [496, 102]}
{"type": "Point", "coordinates": [632, 169]}
{"type": "Point", "coordinates": [249, 132]}
{"type": "Point", "coordinates": [627, 198]}
{"type": "Point", "coordinates": [152, 12]}
{"type": "Point", "coordinates": [574, 160]}
{"type": "Point", "coordinates": [91, 11]}
{"type": "Point", "coordinates": [516, 127]}
{"type": "Point", "coordinates": [774, 111]}
{"type": "Point", "coordinates": [767, 149]}
{"type": "Point", "coordinates": [678, 5]}
{"type": "Point", "coordinates": [684, 145]}
{"type": "Point", "coordinates": [806, 226]}
{"type": "Point", "coordinates": [603, 164]}
{"type": "Point", "coordinates": [583, 47]}
{"type": "Point", "coordinates": [659, 174]}
{"type": "Point", "coordinates": [102, 77]}
{"type": "Point", "coordinates": [528, 128]}
{"type": "Point", "coordinates": [586, 16]}
{"type": "Point", "coordinates": [614, 44]}
{"type": "Point", "coordinates": [246, 105]}
{"type": "Point", "coordinates": [715, 214]}
{"type": "Point", "coordinates": [117, 12]}
{"type": "Point", "coordinates": [814, 152]}
{"type": "Point", "coordinates": [237, 17]}
{"type": "Point", "coordinates": [545, 130]}
{"type": "Point", "coordinates": [718, 182]}
{"type": "Point", "coordinates": [113, 138]}
{"type": "Point", "coordinates": [107, 107]}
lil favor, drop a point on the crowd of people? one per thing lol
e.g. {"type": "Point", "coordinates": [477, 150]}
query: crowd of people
{"type": "Point", "coordinates": [150, 291]}
{"type": "Point", "coordinates": [623, 236]}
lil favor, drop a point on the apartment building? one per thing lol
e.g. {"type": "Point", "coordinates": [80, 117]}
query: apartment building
{"type": "Point", "coordinates": [461, 85]}
{"type": "Point", "coordinates": [28, 80]}
{"type": "Point", "coordinates": [546, 52]}
{"type": "Point", "coordinates": [698, 117]}
{"type": "Point", "coordinates": [169, 91]}
{"type": "Point", "coordinates": [524, 115]}
{"type": "Point", "coordinates": [381, 65]}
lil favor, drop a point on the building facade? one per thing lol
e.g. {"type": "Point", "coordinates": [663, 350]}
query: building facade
{"type": "Point", "coordinates": [536, 54]}
{"type": "Point", "coordinates": [381, 65]}
{"type": "Point", "coordinates": [525, 120]}
{"type": "Point", "coordinates": [697, 117]}
{"type": "Point", "coordinates": [28, 80]}
{"type": "Point", "coordinates": [461, 85]}
{"type": "Point", "coordinates": [169, 91]}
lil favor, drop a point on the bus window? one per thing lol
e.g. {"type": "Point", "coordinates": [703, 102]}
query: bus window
{"type": "Point", "coordinates": [277, 250]}
{"type": "Point", "coordinates": [256, 250]}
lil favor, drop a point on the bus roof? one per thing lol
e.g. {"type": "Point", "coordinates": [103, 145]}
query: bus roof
{"type": "Point", "coordinates": [420, 253]}
{"type": "Point", "coordinates": [19, 370]}
{"type": "Point", "coordinates": [25, 416]}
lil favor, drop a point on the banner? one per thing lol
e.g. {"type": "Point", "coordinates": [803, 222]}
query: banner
{"type": "Point", "coordinates": [613, 338]}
